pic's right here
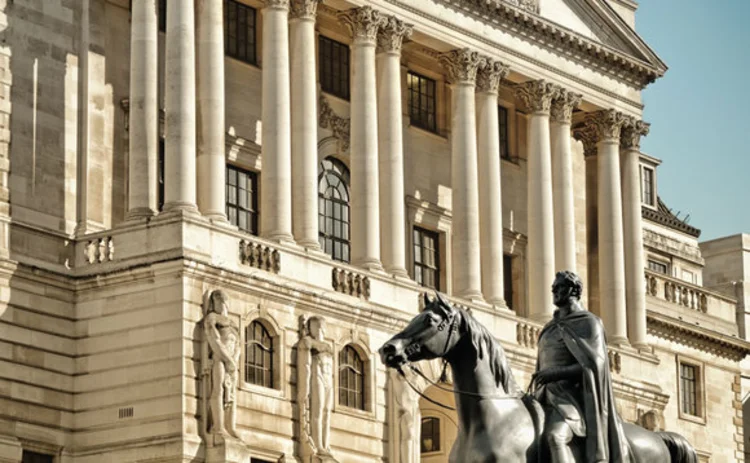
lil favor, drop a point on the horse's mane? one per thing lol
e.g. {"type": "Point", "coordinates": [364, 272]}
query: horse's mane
{"type": "Point", "coordinates": [485, 344]}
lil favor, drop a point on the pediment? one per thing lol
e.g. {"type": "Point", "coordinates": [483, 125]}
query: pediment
{"type": "Point", "coordinates": [597, 21]}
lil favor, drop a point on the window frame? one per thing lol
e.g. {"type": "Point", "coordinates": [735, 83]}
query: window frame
{"type": "Point", "coordinates": [656, 262]}
{"type": "Point", "coordinates": [362, 406]}
{"type": "Point", "coordinates": [652, 172]}
{"type": "Point", "coordinates": [417, 121]}
{"type": "Point", "coordinates": [272, 353]}
{"type": "Point", "coordinates": [418, 230]}
{"type": "Point", "coordinates": [329, 65]}
{"type": "Point", "coordinates": [250, 209]}
{"type": "Point", "coordinates": [439, 449]}
{"type": "Point", "coordinates": [250, 55]}
{"type": "Point", "coordinates": [36, 453]}
{"type": "Point", "coordinates": [344, 177]}
{"type": "Point", "coordinates": [700, 392]}
{"type": "Point", "coordinates": [504, 141]}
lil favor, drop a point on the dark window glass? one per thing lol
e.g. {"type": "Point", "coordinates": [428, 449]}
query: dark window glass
{"type": "Point", "coordinates": [239, 31]}
{"type": "Point", "coordinates": [430, 435]}
{"type": "Point", "coordinates": [426, 258]}
{"type": "Point", "coordinates": [422, 101]}
{"type": "Point", "coordinates": [502, 120]}
{"type": "Point", "coordinates": [258, 355]}
{"type": "Point", "coordinates": [333, 208]}
{"type": "Point", "coordinates": [242, 199]}
{"type": "Point", "coordinates": [34, 457]}
{"type": "Point", "coordinates": [657, 266]}
{"type": "Point", "coordinates": [351, 379]}
{"type": "Point", "coordinates": [333, 62]}
{"type": "Point", "coordinates": [508, 280]}
{"type": "Point", "coordinates": [160, 175]}
{"type": "Point", "coordinates": [689, 387]}
{"type": "Point", "coordinates": [647, 193]}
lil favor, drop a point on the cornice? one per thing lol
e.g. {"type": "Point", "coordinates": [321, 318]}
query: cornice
{"type": "Point", "coordinates": [712, 342]}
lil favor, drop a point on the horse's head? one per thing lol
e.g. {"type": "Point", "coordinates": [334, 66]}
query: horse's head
{"type": "Point", "coordinates": [431, 334]}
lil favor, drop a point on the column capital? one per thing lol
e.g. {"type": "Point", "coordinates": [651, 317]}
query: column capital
{"type": "Point", "coordinates": [563, 106]}
{"type": "Point", "coordinates": [490, 73]}
{"type": "Point", "coordinates": [303, 9]}
{"type": "Point", "coordinates": [606, 123]}
{"type": "Point", "coordinates": [632, 131]}
{"type": "Point", "coordinates": [363, 22]}
{"type": "Point", "coordinates": [461, 65]}
{"type": "Point", "coordinates": [537, 95]}
{"type": "Point", "coordinates": [276, 4]}
{"type": "Point", "coordinates": [392, 33]}
{"type": "Point", "coordinates": [587, 135]}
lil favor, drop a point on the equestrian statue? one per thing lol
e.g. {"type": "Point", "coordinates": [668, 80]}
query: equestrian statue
{"type": "Point", "coordinates": [567, 416]}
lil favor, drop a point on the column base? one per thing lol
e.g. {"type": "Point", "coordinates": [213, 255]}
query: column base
{"type": "Point", "coordinates": [140, 213]}
{"type": "Point", "coordinates": [619, 341]}
{"type": "Point", "coordinates": [179, 206]}
{"type": "Point", "coordinates": [218, 219]}
{"type": "Point", "coordinates": [279, 237]}
{"type": "Point", "coordinates": [642, 347]}
{"type": "Point", "coordinates": [499, 304]}
{"type": "Point", "coordinates": [399, 272]}
{"type": "Point", "coordinates": [472, 295]}
{"type": "Point", "coordinates": [372, 265]}
{"type": "Point", "coordinates": [226, 449]}
{"type": "Point", "coordinates": [310, 245]}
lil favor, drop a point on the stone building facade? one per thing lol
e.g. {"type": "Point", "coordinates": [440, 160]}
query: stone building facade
{"type": "Point", "coordinates": [213, 213]}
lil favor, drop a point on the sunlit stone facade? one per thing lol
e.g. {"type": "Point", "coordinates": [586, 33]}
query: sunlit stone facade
{"type": "Point", "coordinates": [324, 164]}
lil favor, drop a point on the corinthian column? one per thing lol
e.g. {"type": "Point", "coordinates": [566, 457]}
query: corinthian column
{"type": "Point", "coordinates": [179, 162]}
{"type": "Point", "coordinates": [461, 67]}
{"type": "Point", "coordinates": [276, 186]}
{"type": "Point", "coordinates": [211, 147]}
{"type": "Point", "coordinates": [490, 191]}
{"type": "Point", "coordinates": [635, 291]}
{"type": "Point", "coordinates": [304, 124]}
{"type": "Point", "coordinates": [588, 137]}
{"type": "Point", "coordinates": [391, 143]}
{"type": "Point", "coordinates": [607, 125]}
{"type": "Point", "coordinates": [562, 180]}
{"type": "Point", "coordinates": [144, 130]}
{"type": "Point", "coordinates": [537, 96]}
{"type": "Point", "coordinates": [364, 23]}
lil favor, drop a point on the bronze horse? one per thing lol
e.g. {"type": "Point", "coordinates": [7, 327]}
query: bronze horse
{"type": "Point", "coordinates": [496, 420]}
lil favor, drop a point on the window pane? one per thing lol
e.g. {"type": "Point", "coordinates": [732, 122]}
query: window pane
{"type": "Point", "coordinates": [242, 208]}
{"type": "Point", "coordinates": [334, 207]}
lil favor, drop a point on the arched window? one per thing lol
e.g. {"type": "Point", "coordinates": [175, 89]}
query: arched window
{"type": "Point", "coordinates": [258, 355]}
{"type": "Point", "coordinates": [333, 208]}
{"type": "Point", "coordinates": [430, 436]}
{"type": "Point", "coordinates": [351, 378]}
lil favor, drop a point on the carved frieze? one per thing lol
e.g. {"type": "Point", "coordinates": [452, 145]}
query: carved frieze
{"type": "Point", "coordinates": [461, 65]}
{"type": "Point", "coordinates": [489, 75]}
{"type": "Point", "coordinates": [305, 9]}
{"type": "Point", "coordinates": [563, 105]}
{"type": "Point", "coordinates": [607, 123]}
{"type": "Point", "coordinates": [340, 126]}
{"type": "Point", "coordinates": [392, 34]}
{"type": "Point", "coordinates": [363, 22]}
{"type": "Point", "coordinates": [260, 256]}
{"type": "Point", "coordinates": [632, 131]}
{"type": "Point", "coordinates": [351, 283]}
{"type": "Point", "coordinates": [537, 95]}
{"type": "Point", "coordinates": [528, 5]}
{"type": "Point", "coordinates": [99, 250]}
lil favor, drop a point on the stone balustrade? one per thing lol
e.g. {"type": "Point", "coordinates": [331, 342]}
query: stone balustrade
{"type": "Point", "coordinates": [527, 334]}
{"type": "Point", "coordinates": [351, 283]}
{"type": "Point", "coordinates": [260, 256]}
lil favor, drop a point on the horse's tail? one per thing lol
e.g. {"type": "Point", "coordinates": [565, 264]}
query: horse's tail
{"type": "Point", "coordinates": [679, 448]}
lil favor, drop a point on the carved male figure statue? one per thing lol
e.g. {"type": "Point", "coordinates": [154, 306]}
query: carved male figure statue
{"type": "Point", "coordinates": [407, 416]}
{"type": "Point", "coordinates": [220, 360]}
{"type": "Point", "coordinates": [573, 383]}
{"type": "Point", "coordinates": [315, 385]}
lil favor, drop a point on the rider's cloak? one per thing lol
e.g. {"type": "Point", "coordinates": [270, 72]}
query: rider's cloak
{"type": "Point", "coordinates": [584, 336]}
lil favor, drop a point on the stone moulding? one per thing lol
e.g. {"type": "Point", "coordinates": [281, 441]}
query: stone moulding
{"type": "Point", "coordinates": [260, 256]}
{"type": "Point", "coordinates": [351, 283]}
{"type": "Point", "coordinates": [99, 250]}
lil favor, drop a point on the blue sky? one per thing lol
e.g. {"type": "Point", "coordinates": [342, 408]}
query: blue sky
{"type": "Point", "coordinates": [700, 110]}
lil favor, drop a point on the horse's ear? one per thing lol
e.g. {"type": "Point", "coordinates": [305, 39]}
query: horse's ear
{"type": "Point", "coordinates": [444, 304]}
{"type": "Point", "coordinates": [427, 300]}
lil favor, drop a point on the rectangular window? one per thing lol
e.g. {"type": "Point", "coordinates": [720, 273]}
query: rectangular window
{"type": "Point", "coordinates": [422, 101]}
{"type": "Point", "coordinates": [242, 199]}
{"type": "Point", "coordinates": [160, 176]}
{"type": "Point", "coordinates": [502, 120]}
{"type": "Point", "coordinates": [239, 31]}
{"type": "Point", "coordinates": [333, 61]}
{"type": "Point", "coordinates": [426, 258]}
{"type": "Point", "coordinates": [508, 280]}
{"type": "Point", "coordinates": [658, 267]}
{"type": "Point", "coordinates": [647, 186]}
{"type": "Point", "coordinates": [689, 389]}
{"type": "Point", "coordinates": [34, 457]}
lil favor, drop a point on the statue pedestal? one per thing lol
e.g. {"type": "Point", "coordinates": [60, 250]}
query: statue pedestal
{"type": "Point", "coordinates": [225, 449]}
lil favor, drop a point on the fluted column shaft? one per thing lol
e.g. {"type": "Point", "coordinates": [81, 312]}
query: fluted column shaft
{"type": "Point", "coordinates": [562, 180]}
{"type": "Point", "coordinates": [391, 144]}
{"type": "Point", "coordinates": [490, 191]}
{"type": "Point", "coordinates": [365, 226]}
{"type": "Point", "coordinates": [211, 147]}
{"type": "Point", "coordinates": [276, 187]}
{"type": "Point", "coordinates": [304, 124]}
{"type": "Point", "coordinates": [143, 117]}
{"type": "Point", "coordinates": [635, 291]}
{"type": "Point", "coordinates": [179, 162]}
{"type": "Point", "coordinates": [588, 137]}
{"type": "Point", "coordinates": [608, 124]}
{"type": "Point", "coordinates": [461, 66]}
{"type": "Point", "coordinates": [537, 96]}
